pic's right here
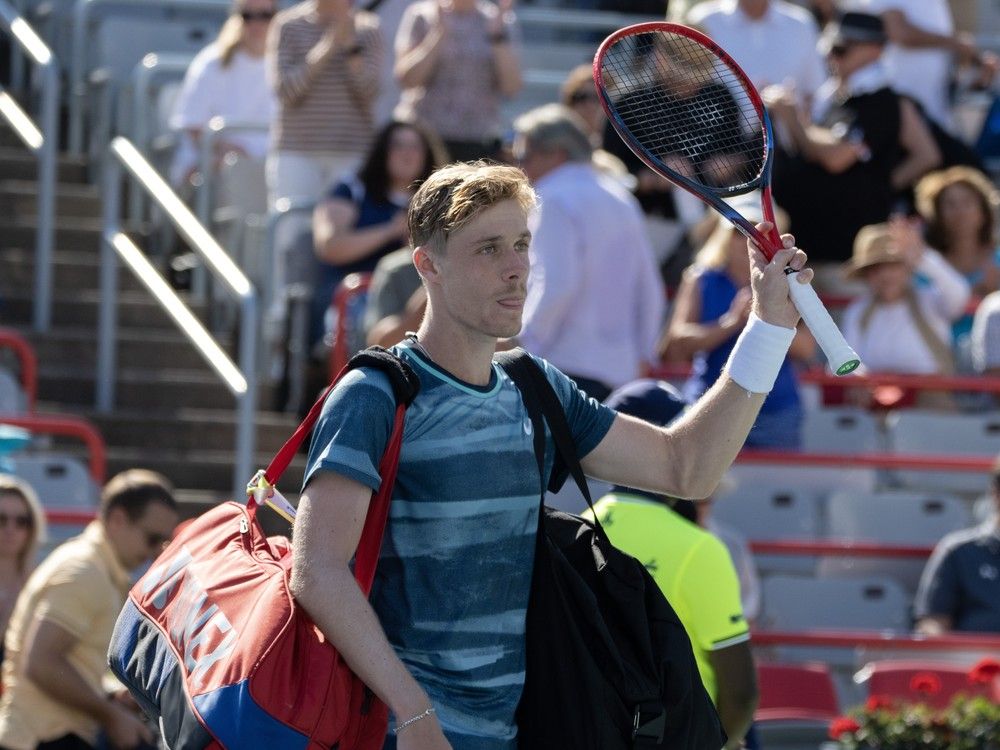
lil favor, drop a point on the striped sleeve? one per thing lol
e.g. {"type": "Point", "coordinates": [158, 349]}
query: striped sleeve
{"type": "Point", "coordinates": [364, 81]}
{"type": "Point", "coordinates": [290, 74]}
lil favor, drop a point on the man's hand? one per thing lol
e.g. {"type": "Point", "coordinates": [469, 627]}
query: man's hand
{"type": "Point", "coordinates": [124, 729]}
{"type": "Point", "coordinates": [425, 734]}
{"type": "Point", "coordinates": [769, 283]}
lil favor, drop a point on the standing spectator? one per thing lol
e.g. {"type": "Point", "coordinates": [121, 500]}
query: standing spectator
{"type": "Point", "coordinates": [924, 49]}
{"type": "Point", "coordinates": [692, 568]}
{"type": "Point", "coordinates": [226, 79]}
{"type": "Point", "coordinates": [455, 61]}
{"type": "Point", "coordinates": [578, 94]}
{"type": "Point", "coordinates": [985, 336]}
{"type": "Point", "coordinates": [712, 306]}
{"type": "Point", "coordinates": [868, 143]}
{"type": "Point", "coordinates": [960, 588]}
{"type": "Point", "coordinates": [898, 325]}
{"type": "Point", "coordinates": [747, 30]}
{"type": "Point", "coordinates": [588, 249]}
{"type": "Point", "coordinates": [22, 529]}
{"type": "Point", "coordinates": [364, 218]}
{"type": "Point", "coordinates": [325, 63]}
{"type": "Point", "coordinates": [59, 633]}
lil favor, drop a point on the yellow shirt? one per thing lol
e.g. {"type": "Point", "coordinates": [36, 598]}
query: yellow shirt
{"type": "Point", "coordinates": [691, 566]}
{"type": "Point", "coordinates": [81, 587]}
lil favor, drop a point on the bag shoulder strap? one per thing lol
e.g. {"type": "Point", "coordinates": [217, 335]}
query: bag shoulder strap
{"type": "Point", "coordinates": [405, 386]}
{"type": "Point", "coordinates": [538, 394]}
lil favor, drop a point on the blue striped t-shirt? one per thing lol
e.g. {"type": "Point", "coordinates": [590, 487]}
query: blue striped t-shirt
{"type": "Point", "coordinates": [451, 589]}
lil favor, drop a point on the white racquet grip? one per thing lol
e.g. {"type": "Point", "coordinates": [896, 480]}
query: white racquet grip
{"type": "Point", "coordinates": [758, 355]}
{"type": "Point", "coordinates": [839, 354]}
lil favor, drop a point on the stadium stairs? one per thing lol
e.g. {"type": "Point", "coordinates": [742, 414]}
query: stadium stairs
{"type": "Point", "coordinates": [173, 414]}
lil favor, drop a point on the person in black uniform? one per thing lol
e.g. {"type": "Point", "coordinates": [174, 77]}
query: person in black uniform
{"type": "Point", "coordinates": [843, 170]}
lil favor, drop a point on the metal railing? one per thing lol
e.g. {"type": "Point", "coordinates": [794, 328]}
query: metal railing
{"type": "Point", "coordinates": [211, 136]}
{"type": "Point", "coordinates": [44, 144]}
{"type": "Point", "coordinates": [241, 381]}
{"type": "Point", "coordinates": [28, 361]}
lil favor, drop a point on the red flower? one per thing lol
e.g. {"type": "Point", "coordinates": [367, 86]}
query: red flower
{"type": "Point", "coordinates": [843, 725]}
{"type": "Point", "coordinates": [984, 671]}
{"type": "Point", "coordinates": [878, 702]}
{"type": "Point", "coordinates": [927, 683]}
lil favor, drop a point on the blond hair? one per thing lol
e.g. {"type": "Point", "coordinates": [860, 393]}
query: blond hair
{"type": "Point", "coordinates": [454, 195]}
{"type": "Point", "coordinates": [11, 485]}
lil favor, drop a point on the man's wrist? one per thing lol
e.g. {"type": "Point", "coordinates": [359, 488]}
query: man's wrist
{"type": "Point", "coordinates": [758, 355]}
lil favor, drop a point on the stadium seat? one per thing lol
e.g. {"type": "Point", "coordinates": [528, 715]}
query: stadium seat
{"type": "Point", "coordinates": [932, 682]}
{"type": "Point", "coordinates": [818, 481]}
{"type": "Point", "coordinates": [60, 480]}
{"type": "Point", "coordinates": [799, 603]}
{"type": "Point", "coordinates": [12, 397]}
{"type": "Point", "coordinates": [925, 432]}
{"type": "Point", "coordinates": [764, 513]}
{"type": "Point", "coordinates": [840, 430]}
{"type": "Point", "coordinates": [797, 702]}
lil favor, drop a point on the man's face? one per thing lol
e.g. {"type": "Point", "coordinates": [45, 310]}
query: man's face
{"type": "Point", "coordinates": [482, 276]}
{"type": "Point", "coordinates": [137, 541]}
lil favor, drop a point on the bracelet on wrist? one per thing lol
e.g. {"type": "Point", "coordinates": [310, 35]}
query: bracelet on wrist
{"type": "Point", "coordinates": [355, 50]}
{"type": "Point", "coordinates": [413, 720]}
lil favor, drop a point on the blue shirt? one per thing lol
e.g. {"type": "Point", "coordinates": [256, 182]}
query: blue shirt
{"type": "Point", "coordinates": [717, 293]}
{"type": "Point", "coordinates": [452, 584]}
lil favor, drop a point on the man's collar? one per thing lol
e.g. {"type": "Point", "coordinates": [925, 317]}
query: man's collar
{"type": "Point", "coordinates": [871, 77]}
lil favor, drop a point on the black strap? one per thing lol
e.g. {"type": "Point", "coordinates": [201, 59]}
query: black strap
{"type": "Point", "coordinates": [537, 393]}
{"type": "Point", "coordinates": [405, 382]}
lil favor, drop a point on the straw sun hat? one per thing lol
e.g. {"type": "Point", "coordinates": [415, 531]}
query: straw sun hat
{"type": "Point", "coordinates": [873, 246]}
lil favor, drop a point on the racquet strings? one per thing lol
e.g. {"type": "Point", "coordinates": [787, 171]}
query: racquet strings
{"type": "Point", "coordinates": [686, 108]}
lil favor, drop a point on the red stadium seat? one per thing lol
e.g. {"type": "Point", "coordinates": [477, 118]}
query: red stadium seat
{"type": "Point", "coordinates": [796, 692]}
{"type": "Point", "coordinates": [930, 682]}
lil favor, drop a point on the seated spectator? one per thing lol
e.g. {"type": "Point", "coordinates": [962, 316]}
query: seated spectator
{"type": "Point", "coordinates": [455, 62]}
{"type": "Point", "coordinates": [364, 218]}
{"type": "Point", "coordinates": [959, 206]}
{"type": "Point", "coordinates": [746, 29]}
{"type": "Point", "coordinates": [579, 94]}
{"type": "Point", "coordinates": [960, 587]}
{"type": "Point", "coordinates": [22, 529]}
{"type": "Point", "coordinates": [325, 63]}
{"type": "Point", "coordinates": [898, 324]}
{"type": "Point", "coordinates": [588, 249]}
{"type": "Point", "coordinates": [57, 643]}
{"type": "Point", "coordinates": [691, 567]}
{"type": "Point", "coordinates": [710, 310]}
{"type": "Point", "coordinates": [868, 143]}
{"type": "Point", "coordinates": [226, 79]}
{"type": "Point", "coordinates": [396, 299]}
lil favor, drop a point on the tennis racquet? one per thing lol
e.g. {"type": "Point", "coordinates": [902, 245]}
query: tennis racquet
{"type": "Point", "coordinates": [691, 114]}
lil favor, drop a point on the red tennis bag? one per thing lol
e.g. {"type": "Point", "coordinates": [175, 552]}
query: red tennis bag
{"type": "Point", "coordinates": [212, 644]}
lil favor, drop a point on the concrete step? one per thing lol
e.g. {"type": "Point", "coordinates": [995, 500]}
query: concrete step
{"type": "Point", "coordinates": [20, 164]}
{"type": "Point", "coordinates": [189, 429]}
{"type": "Point", "coordinates": [71, 269]}
{"type": "Point", "coordinates": [72, 233]}
{"type": "Point", "coordinates": [204, 469]}
{"type": "Point", "coordinates": [78, 308]}
{"type": "Point", "coordinates": [149, 348]}
{"type": "Point", "coordinates": [152, 389]}
{"type": "Point", "coordinates": [20, 198]}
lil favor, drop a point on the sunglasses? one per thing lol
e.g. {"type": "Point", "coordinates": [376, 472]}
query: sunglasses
{"type": "Point", "coordinates": [258, 15]}
{"type": "Point", "coordinates": [579, 97]}
{"type": "Point", "coordinates": [154, 540]}
{"type": "Point", "coordinates": [18, 522]}
{"type": "Point", "coordinates": [839, 50]}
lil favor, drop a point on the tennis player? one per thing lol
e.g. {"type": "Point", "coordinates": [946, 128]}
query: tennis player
{"type": "Point", "coordinates": [441, 640]}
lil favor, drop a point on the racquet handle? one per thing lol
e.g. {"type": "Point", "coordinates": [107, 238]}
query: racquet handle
{"type": "Point", "coordinates": [841, 357]}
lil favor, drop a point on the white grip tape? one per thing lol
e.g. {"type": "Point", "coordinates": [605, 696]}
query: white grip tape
{"type": "Point", "coordinates": [758, 355]}
{"type": "Point", "coordinates": [841, 357]}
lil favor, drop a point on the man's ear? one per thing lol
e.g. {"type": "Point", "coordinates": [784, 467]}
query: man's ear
{"type": "Point", "coordinates": [426, 264]}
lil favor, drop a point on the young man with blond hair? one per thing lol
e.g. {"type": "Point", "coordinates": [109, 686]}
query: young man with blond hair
{"type": "Point", "coordinates": [441, 640]}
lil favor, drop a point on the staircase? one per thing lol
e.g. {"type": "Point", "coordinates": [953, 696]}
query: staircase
{"type": "Point", "coordinates": [173, 414]}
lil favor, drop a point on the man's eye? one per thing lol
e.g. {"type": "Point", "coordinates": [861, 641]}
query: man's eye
{"type": "Point", "coordinates": [488, 249]}
{"type": "Point", "coordinates": [522, 247]}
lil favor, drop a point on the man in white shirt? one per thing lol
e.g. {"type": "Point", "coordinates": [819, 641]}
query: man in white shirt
{"type": "Point", "coordinates": [595, 299]}
{"type": "Point", "coordinates": [774, 41]}
{"type": "Point", "coordinates": [923, 45]}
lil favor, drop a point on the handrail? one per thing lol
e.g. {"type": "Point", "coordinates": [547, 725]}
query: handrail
{"type": "Point", "coordinates": [29, 363]}
{"type": "Point", "coordinates": [567, 18]}
{"type": "Point", "coordinates": [69, 517]}
{"type": "Point", "coordinates": [242, 380]}
{"type": "Point", "coordinates": [876, 639]}
{"type": "Point", "coordinates": [839, 548]}
{"type": "Point", "coordinates": [44, 144]}
{"type": "Point", "coordinates": [69, 427]}
{"type": "Point", "coordinates": [928, 462]}
{"type": "Point", "coordinates": [350, 287]}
